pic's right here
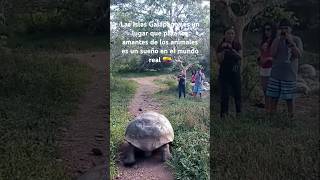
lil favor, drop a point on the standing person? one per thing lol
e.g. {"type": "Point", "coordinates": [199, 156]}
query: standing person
{"type": "Point", "coordinates": [265, 59]}
{"type": "Point", "coordinates": [193, 80]}
{"type": "Point", "coordinates": [199, 78]}
{"type": "Point", "coordinates": [229, 57]}
{"type": "Point", "coordinates": [193, 77]}
{"type": "Point", "coordinates": [182, 85]}
{"type": "Point", "coordinates": [286, 49]}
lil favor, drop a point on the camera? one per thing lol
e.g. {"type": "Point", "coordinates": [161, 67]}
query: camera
{"type": "Point", "coordinates": [226, 46]}
{"type": "Point", "coordinates": [283, 33]}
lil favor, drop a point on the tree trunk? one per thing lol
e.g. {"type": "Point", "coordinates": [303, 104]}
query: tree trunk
{"type": "Point", "coordinates": [239, 26]}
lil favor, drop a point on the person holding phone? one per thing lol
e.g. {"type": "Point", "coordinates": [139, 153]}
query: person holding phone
{"type": "Point", "coordinates": [286, 49]}
{"type": "Point", "coordinates": [199, 79]}
{"type": "Point", "coordinates": [229, 57]}
{"type": "Point", "coordinates": [265, 59]}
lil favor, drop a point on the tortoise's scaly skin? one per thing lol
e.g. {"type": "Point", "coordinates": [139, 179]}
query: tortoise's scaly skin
{"type": "Point", "coordinates": [149, 131]}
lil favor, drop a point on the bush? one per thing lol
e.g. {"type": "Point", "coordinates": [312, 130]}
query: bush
{"type": "Point", "coordinates": [310, 58]}
{"type": "Point", "coordinates": [125, 65]}
{"type": "Point", "coordinates": [250, 80]}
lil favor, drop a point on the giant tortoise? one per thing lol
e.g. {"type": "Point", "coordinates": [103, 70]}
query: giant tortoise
{"type": "Point", "coordinates": [148, 132]}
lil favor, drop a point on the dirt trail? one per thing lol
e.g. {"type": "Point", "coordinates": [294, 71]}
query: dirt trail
{"type": "Point", "coordinates": [145, 168]}
{"type": "Point", "coordinates": [143, 100]}
{"type": "Point", "coordinates": [83, 144]}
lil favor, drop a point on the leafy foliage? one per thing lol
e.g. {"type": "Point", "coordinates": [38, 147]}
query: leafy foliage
{"type": "Point", "coordinates": [171, 11]}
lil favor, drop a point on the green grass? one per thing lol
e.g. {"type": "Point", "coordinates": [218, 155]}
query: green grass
{"type": "Point", "coordinates": [65, 42]}
{"type": "Point", "coordinates": [36, 96]}
{"type": "Point", "coordinates": [190, 120]}
{"type": "Point", "coordinates": [257, 147]}
{"type": "Point", "coordinates": [141, 74]}
{"type": "Point", "coordinates": [122, 92]}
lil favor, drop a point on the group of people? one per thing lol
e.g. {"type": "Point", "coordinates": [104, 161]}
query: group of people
{"type": "Point", "coordinates": [278, 66]}
{"type": "Point", "coordinates": [197, 80]}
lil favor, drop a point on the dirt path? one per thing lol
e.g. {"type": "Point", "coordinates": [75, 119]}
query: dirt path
{"type": "Point", "coordinates": [145, 168]}
{"type": "Point", "coordinates": [143, 100]}
{"type": "Point", "coordinates": [84, 142]}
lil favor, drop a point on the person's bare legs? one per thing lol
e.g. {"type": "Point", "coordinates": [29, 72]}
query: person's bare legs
{"type": "Point", "coordinates": [264, 83]}
{"type": "Point", "coordinates": [267, 104]}
{"type": "Point", "coordinates": [290, 105]}
{"type": "Point", "coordinates": [273, 105]}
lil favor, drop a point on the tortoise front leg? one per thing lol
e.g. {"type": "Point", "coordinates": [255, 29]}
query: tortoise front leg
{"type": "Point", "coordinates": [148, 154]}
{"type": "Point", "coordinates": [165, 153]}
{"type": "Point", "coordinates": [129, 159]}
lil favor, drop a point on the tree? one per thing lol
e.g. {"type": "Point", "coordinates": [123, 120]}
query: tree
{"type": "Point", "coordinates": [170, 11]}
{"type": "Point", "coordinates": [240, 13]}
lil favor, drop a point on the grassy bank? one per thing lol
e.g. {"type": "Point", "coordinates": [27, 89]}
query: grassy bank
{"type": "Point", "coordinates": [36, 96]}
{"type": "Point", "coordinates": [122, 92]}
{"type": "Point", "coordinates": [256, 147]}
{"type": "Point", "coordinates": [190, 120]}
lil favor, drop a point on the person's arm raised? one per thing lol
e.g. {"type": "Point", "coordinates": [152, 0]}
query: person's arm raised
{"type": "Point", "coordinates": [238, 53]}
{"type": "Point", "coordinates": [220, 56]}
{"type": "Point", "coordinates": [274, 46]}
{"type": "Point", "coordinates": [296, 47]}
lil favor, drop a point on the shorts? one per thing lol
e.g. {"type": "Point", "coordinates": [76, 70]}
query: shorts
{"type": "Point", "coordinates": [265, 72]}
{"type": "Point", "coordinates": [279, 89]}
{"type": "Point", "coordinates": [197, 89]}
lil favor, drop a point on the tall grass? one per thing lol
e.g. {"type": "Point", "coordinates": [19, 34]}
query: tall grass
{"type": "Point", "coordinates": [36, 95]}
{"type": "Point", "coordinates": [190, 120]}
{"type": "Point", "coordinates": [122, 92]}
{"type": "Point", "coordinates": [257, 147]}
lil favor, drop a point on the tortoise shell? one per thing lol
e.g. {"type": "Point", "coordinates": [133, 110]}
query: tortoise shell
{"type": "Point", "coordinates": [149, 131]}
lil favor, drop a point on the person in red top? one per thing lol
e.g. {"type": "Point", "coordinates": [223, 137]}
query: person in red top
{"type": "Point", "coordinates": [193, 80]}
{"type": "Point", "coordinates": [265, 58]}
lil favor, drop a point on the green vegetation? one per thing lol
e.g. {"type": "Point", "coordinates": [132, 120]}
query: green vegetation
{"type": "Point", "coordinates": [190, 121]}
{"type": "Point", "coordinates": [57, 42]}
{"type": "Point", "coordinates": [36, 95]}
{"type": "Point", "coordinates": [122, 92]}
{"type": "Point", "coordinates": [257, 147]}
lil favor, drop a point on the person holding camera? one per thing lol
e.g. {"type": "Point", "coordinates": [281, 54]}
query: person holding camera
{"type": "Point", "coordinates": [199, 79]}
{"type": "Point", "coordinates": [229, 57]}
{"type": "Point", "coordinates": [182, 85]}
{"type": "Point", "coordinates": [286, 49]}
{"type": "Point", "coordinates": [265, 59]}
